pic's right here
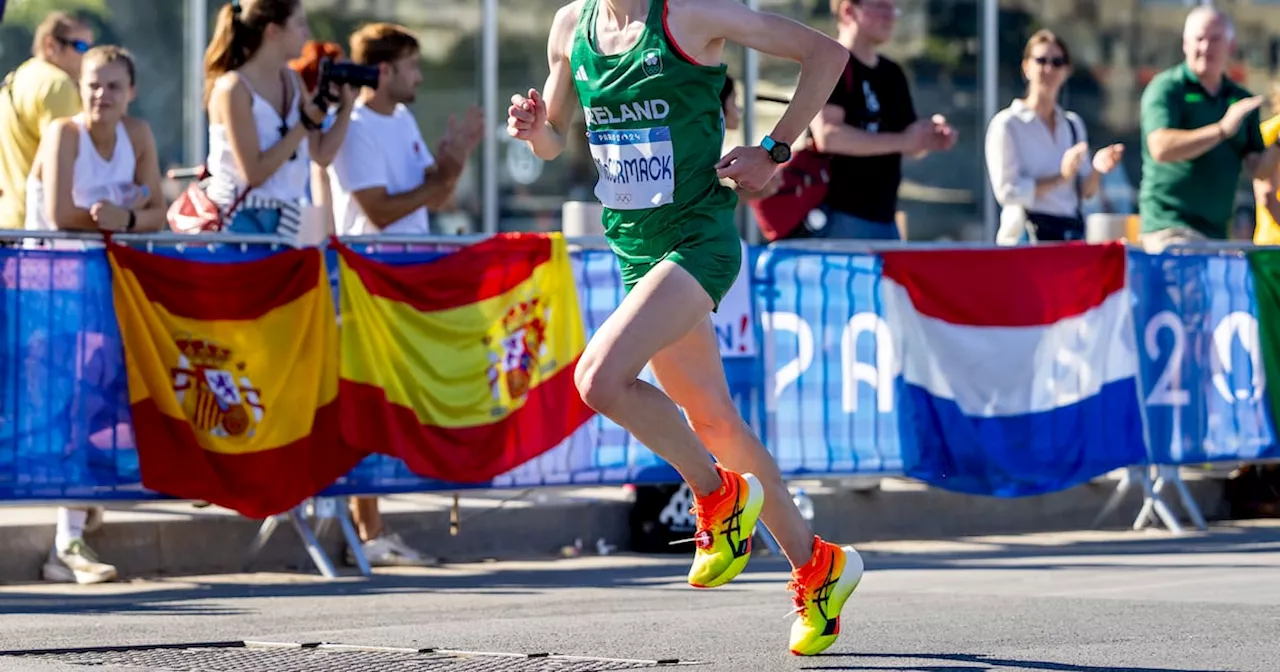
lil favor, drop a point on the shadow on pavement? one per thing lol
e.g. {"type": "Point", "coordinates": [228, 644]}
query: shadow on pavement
{"type": "Point", "coordinates": [978, 662]}
{"type": "Point", "coordinates": [200, 596]}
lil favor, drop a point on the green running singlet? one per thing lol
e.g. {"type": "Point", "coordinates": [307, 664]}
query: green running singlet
{"type": "Point", "coordinates": [655, 127]}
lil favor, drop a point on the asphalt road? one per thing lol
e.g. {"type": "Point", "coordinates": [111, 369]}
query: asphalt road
{"type": "Point", "coordinates": [1088, 602]}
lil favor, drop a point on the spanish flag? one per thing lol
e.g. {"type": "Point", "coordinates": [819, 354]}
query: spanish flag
{"type": "Point", "coordinates": [462, 366]}
{"type": "Point", "coordinates": [233, 377]}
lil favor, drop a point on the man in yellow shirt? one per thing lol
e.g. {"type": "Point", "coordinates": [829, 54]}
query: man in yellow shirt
{"type": "Point", "coordinates": [1266, 193]}
{"type": "Point", "coordinates": [39, 91]}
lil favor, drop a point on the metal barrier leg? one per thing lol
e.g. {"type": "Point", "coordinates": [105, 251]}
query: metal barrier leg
{"type": "Point", "coordinates": [1122, 488]}
{"type": "Point", "coordinates": [768, 539]}
{"type": "Point", "coordinates": [1188, 502]}
{"type": "Point", "coordinates": [264, 535]}
{"type": "Point", "coordinates": [1152, 502]}
{"type": "Point", "coordinates": [325, 511]}
{"type": "Point", "coordinates": [318, 556]}
{"type": "Point", "coordinates": [353, 541]}
{"type": "Point", "coordinates": [319, 525]}
{"type": "Point", "coordinates": [329, 509]}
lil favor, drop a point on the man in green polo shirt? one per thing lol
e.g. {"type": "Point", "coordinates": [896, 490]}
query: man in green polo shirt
{"type": "Point", "coordinates": [1200, 129]}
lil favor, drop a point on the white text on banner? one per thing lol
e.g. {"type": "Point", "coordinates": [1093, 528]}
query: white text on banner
{"type": "Point", "coordinates": [734, 322]}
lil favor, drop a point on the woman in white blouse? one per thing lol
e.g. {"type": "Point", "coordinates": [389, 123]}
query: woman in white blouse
{"type": "Point", "coordinates": [1036, 153]}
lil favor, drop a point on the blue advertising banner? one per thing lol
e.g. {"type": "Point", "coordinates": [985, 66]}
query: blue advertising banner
{"type": "Point", "coordinates": [1203, 381]}
{"type": "Point", "coordinates": [831, 375]}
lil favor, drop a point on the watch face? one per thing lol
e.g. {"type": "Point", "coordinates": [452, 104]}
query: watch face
{"type": "Point", "coordinates": [780, 153]}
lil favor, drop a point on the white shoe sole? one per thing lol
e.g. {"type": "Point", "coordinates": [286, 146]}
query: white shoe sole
{"type": "Point", "coordinates": [852, 574]}
{"type": "Point", "coordinates": [60, 574]}
{"type": "Point", "coordinates": [755, 498]}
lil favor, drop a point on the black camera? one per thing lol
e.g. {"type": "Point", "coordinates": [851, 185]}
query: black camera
{"type": "Point", "coordinates": [333, 75]}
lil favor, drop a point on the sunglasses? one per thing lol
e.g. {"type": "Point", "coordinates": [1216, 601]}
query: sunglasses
{"type": "Point", "coordinates": [79, 45]}
{"type": "Point", "coordinates": [1056, 61]}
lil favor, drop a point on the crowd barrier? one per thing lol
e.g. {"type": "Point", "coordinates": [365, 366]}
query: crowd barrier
{"type": "Point", "coordinates": [805, 344]}
{"type": "Point", "coordinates": [828, 360]}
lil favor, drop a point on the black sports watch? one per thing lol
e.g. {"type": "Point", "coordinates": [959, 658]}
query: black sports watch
{"type": "Point", "coordinates": [780, 152]}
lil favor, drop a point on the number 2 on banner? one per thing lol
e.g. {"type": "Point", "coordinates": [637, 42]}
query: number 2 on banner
{"type": "Point", "coordinates": [1168, 388]}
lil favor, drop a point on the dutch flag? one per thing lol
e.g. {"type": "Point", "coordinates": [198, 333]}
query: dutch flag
{"type": "Point", "coordinates": [1020, 366]}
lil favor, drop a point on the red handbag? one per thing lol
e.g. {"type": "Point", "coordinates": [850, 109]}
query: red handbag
{"type": "Point", "coordinates": [805, 180]}
{"type": "Point", "coordinates": [195, 213]}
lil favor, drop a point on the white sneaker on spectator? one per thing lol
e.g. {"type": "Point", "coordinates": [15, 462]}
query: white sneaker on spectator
{"type": "Point", "coordinates": [389, 550]}
{"type": "Point", "coordinates": [77, 564]}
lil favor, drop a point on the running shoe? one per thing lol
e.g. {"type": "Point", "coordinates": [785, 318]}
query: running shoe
{"type": "Point", "coordinates": [821, 588]}
{"type": "Point", "coordinates": [726, 521]}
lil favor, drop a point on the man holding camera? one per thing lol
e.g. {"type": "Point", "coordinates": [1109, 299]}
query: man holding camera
{"type": "Point", "coordinates": [384, 178]}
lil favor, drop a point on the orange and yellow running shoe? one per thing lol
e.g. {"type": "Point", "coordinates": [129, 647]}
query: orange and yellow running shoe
{"type": "Point", "coordinates": [821, 588]}
{"type": "Point", "coordinates": [726, 522]}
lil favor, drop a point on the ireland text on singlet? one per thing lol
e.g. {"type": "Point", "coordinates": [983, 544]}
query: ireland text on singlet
{"type": "Point", "coordinates": [654, 124]}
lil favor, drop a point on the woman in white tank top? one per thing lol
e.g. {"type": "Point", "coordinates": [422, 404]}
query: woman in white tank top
{"type": "Point", "coordinates": [264, 130]}
{"type": "Point", "coordinates": [98, 171]}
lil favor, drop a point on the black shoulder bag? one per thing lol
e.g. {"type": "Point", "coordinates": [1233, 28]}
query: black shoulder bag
{"type": "Point", "coordinates": [1054, 227]}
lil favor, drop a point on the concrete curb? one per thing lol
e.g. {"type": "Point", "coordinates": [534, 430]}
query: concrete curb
{"type": "Point", "coordinates": [215, 543]}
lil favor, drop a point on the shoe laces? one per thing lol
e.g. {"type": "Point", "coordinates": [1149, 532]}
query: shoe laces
{"type": "Point", "coordinates": [77, 547]}
{"type": "Point", "coordinates": [706, 521]}
{"type": "Point", "coordinates": [797, 589]}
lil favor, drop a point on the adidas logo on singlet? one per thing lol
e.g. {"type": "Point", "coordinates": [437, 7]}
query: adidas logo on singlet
{"type": "Point", "coordinates": [581, 75]}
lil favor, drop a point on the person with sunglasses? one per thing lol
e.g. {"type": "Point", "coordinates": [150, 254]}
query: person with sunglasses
{"type": "Point", "coordinates": [1036, 153]}
{"type": "Point", "coordinates": [40, 91]}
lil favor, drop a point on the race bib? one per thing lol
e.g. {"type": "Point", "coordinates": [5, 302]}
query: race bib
{"type": "Point", "coordinates": [637, 167]}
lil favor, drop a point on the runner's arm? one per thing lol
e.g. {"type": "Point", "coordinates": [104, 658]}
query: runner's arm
{"type": "Point", "coordinates": [822, 59]}
{"type": "Point", "coordinates": [558, 94]}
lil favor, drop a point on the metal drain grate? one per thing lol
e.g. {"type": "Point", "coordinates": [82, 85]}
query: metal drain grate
{"type": "Point", "coordinates": [273, 657]}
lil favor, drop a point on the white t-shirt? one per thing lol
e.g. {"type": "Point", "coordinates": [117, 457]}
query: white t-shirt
{"type": "Point", "coordinates": [379, 151]}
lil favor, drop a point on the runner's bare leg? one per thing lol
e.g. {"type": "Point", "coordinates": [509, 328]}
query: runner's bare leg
{"type": "Point", "coordinates": [692, 374]}
{"type": "Point", "coordinates": [660, 310]}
